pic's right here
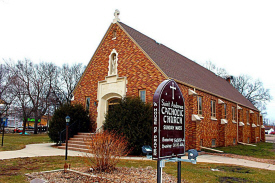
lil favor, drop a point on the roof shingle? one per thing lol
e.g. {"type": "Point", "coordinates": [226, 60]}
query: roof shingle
{"type": "Point", "coordinates": [185, 70]}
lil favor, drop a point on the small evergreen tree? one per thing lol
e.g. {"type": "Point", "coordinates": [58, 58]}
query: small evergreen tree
{"type": "Point", "coordinates": [133, 118]}
{"type": "Point", "coordinates": [78, 115]}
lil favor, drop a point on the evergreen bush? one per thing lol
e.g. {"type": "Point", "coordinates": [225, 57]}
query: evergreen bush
{"type": "Point", "coordinates": [78, 115]}
{"type": "Point", "coordinates": [133, 118]}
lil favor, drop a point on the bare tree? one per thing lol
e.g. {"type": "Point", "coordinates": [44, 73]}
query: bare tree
{"type": "Point", "coordinates": [43, 82]}
{"type": "Point", "coordinates": [217, 70]}
{"type": "Point", "coordinates": [39, 88]}
{"type": "Point", "coordinates": [252, 89]}
{"type": "Point", "coordinates": [36, 84]}
{"type": "Point", "coordinates": [22, 100]}
{"type": "Point", "coordinates": [6, 95]}
{"type": "Point", "coordinates": [69, 77]}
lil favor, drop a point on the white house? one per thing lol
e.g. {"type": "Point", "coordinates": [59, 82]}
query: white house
{"type": "Point", "coordinates": [268, 130]}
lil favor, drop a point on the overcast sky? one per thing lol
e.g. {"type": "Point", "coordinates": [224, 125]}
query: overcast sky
{"type": "Point", "coordinates": [238, 35]}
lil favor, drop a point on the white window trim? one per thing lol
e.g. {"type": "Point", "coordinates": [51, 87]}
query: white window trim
{"type": "Point", "coordinates": [201, 107]}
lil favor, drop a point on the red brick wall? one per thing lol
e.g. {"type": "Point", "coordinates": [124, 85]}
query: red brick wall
{"type": "Point", "coordinates": [131, 63]}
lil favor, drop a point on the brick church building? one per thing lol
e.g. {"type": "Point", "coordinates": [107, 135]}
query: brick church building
{"type": "Point", "coordinates": [128, 63]}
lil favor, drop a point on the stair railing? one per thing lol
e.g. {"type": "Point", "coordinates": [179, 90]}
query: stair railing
{"type": "Point", "coordinates": [72, 132]}
{"type": "Point", "coordinates": [100, 129]}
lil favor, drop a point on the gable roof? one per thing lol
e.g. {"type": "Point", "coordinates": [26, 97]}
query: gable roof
{"type": "Point", "coordinates": [184, 70]}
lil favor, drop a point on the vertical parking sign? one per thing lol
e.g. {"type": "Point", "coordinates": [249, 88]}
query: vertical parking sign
{"type": "Point", "coordinates": [168, 121]}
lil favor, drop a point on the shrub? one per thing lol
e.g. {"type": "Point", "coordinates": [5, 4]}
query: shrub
{"type": "Point", "coordinates": [106, 149]}
{"type": "Point", "coordinates": [78, 116]}
{"type": "Point", "coordinates": [133, 118]}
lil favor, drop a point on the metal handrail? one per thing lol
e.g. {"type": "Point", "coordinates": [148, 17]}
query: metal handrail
{"type": "Point", "coordinates": [60, 133]}
{"type": "Point", "coordinates": [99, 129]}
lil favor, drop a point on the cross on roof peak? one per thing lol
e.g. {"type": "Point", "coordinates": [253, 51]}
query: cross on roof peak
{"type": "Point", "coordinates": [116, 19]}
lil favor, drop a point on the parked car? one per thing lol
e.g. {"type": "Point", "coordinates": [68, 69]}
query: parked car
{"type": "Point", "coordinates": [18, 130]}
{"type": "Point", "coordinates": [272, 133]}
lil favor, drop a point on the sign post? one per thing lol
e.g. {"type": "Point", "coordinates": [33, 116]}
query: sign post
{"type": "Point", "coordinates": [168, 124]}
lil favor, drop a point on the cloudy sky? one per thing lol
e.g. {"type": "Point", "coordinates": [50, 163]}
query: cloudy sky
{"type": "Point", "coordinates": [238, 35]}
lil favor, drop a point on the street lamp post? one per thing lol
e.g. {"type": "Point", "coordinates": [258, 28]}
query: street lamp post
{"type": "Point", "coordinates": [3, 123]}
{"type": "Point", "coordinates": [67, 133]}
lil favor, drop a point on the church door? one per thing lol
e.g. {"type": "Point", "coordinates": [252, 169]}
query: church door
{"type": "Point", "coordinates": [112, 102]}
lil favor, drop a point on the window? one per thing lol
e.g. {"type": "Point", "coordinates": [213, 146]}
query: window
{"type": "Point", "coordinates": [234, 141]}
{"type": "Point", "coordinates": [248, 140]}
{"type": "Point", "coordinates": [213, 142]}
{"type": "Point", "coordinates": [233, 114]}
{"type": "Point", "coordinates": [200, 105]}
{"type": "Point", "coordinates": [225, 114]}
{"type": "Point", "coordinates": [201, 143]}
{"type": "Point", "coordinates": [87, 103]}
{"type": "Point", "coordinates": [142, 95]}
{"type": "Point", "coordinates": [213, 108]}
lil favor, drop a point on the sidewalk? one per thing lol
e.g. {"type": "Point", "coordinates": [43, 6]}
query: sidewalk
{"type": "Point", "coordinates": [34, 150]}
{"type": "Point", "coordinates": [45, 149]}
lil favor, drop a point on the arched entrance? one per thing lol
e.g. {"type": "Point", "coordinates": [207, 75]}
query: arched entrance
{"type": "Point", "coordinates": [109, 90]}
{"type": "Point", "coordinates": [105, 104]}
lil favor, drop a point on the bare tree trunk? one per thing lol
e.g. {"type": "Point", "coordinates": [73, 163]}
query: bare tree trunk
{"type": "Point", "coordinates": [24, 125]}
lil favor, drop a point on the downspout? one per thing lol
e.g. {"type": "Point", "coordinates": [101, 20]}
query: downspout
{"type": "Point", "coordinates": [237, 124]}
{"type": "Point", "coordinates": [259, 121]}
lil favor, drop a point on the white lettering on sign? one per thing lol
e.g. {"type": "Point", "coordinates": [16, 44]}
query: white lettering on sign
{"type": "Point", "coordinates": [176, 144]}
{"type": "Point", "coordinates": [155, 152]}
{"type": "Point", "coordinates": [176, 105]}
{"type": "Point", "coordinates": [172, 119]}
{"type": "Point", "coordinates": [179, 140]}
{"type": "Point", "coordinates": [155, 116]}
{"type": "Point", "coordinates": [171, 111]}
{"type": "Point", "coordinates": [166, 146]}
{"type": "Point", "coordinates": [164, 103]}
{"type": "Point", "coordinates": [167, 139]}
{"type": "Point", "coordinates": [168, 127]}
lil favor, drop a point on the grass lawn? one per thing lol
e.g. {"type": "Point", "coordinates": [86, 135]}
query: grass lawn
{"type": "Point", "coordinates": [14, 170]}
{"type": "Point", "coordinates": [16, 141]}
{"type": "Point", "coordinates": [262, 150]}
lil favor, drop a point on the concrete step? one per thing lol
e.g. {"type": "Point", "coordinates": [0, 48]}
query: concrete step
{"type": "Point", "coordinates": [74, 149]}
{"type": "Point", "coordinates": [82, 146]}
{"type": "Point", "coordinates": [76, 141]}
{"type": "Point", "coordinates": [82, 136]}
{"type": "Point", "coordinates": [87, 134]}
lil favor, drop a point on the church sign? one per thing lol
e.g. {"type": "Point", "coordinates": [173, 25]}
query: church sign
{"type": "Point", "coordinates": [168, 121]}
